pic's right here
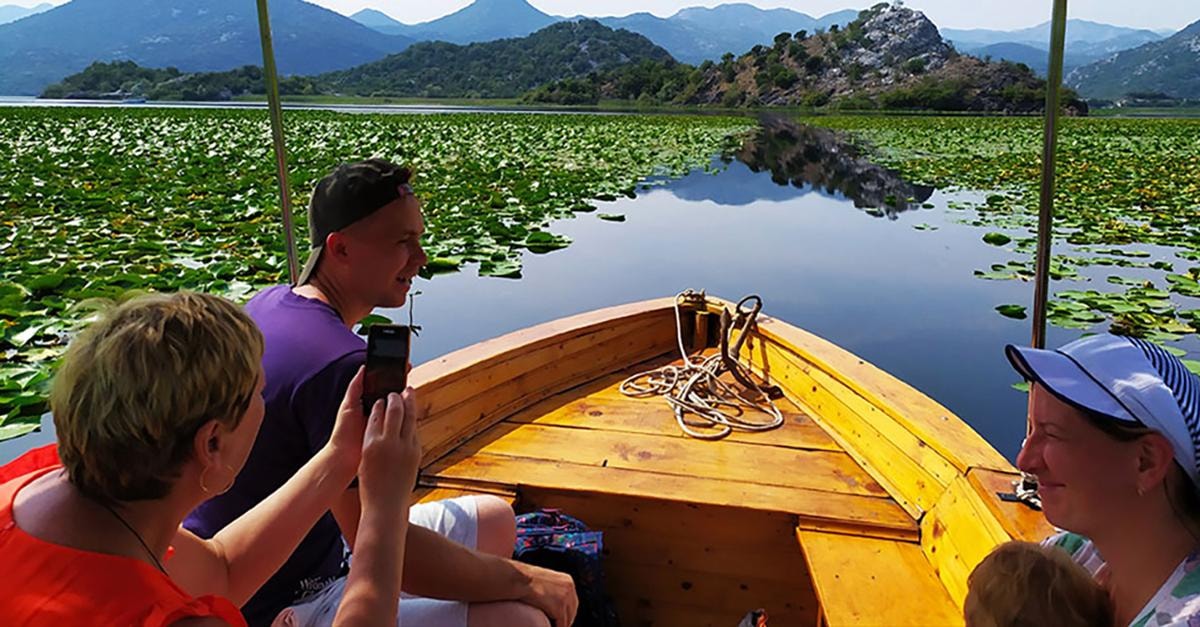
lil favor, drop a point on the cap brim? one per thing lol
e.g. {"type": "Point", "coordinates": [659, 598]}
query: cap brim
{"type": "Point", "coordinates": [1066, 380]}
{"type": "Point", "coordinates": [310, 266]}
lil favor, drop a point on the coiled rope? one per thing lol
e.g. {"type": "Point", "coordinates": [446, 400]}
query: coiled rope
{"type": "Point", "coordinates": [695, 391]}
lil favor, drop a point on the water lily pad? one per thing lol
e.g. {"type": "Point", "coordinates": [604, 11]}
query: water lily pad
{"type": "Point", "coordinates": [997, 239]}
{"type": "Point", "coordinates": [1016, 312]}
{"type": "Point", "coordinates": [14, 429]}
{"type": "Point", "coordinates": [503, 269]}
{"type": "Point", "coordinates": [543, 242]}
{"type": "Point", "coordinates": [611, 217]}
{"type": "Point", "coordinates": [996, 276]}
{"type": "Point", "coordinates": [1184, 285]}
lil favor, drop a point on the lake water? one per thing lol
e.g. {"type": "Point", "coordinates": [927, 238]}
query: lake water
{"type": "Point", "coordinates": [790, 219]}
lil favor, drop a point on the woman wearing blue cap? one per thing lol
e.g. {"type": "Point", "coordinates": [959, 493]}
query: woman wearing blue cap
{"type": "Point", "coordinates": [1115, 445]}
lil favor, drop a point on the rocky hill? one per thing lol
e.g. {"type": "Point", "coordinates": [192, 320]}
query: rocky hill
{"type": "Point", "coordinates": [498, 69]}
{"type": "Point", "coordinates": [1170, 66]}
{"type": "Point", "coordinates": [891, 57]}
{"type": "Point", "coordinates": [695, 34]}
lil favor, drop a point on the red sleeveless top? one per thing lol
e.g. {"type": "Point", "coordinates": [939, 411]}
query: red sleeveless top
{"type": "Point", "coordinates": [49, 584]}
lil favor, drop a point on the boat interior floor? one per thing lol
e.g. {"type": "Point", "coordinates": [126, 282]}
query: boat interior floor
{"type": "Point", "coordinates": [696, 532]}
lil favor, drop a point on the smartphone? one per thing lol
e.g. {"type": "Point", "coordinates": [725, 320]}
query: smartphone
{"type": "Point", "coordinates": [387, 362]}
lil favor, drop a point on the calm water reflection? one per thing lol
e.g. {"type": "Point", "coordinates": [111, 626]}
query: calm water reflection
{"type": "Point", "coordinates": [826, 239]}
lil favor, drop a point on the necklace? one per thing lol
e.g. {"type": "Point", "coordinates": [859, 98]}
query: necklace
{"type": "Point", "coordinates": [137, 535]}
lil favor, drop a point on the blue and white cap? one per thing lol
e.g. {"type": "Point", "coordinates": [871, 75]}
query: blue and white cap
{"type": "Point", "coordinates": [1125, 379]}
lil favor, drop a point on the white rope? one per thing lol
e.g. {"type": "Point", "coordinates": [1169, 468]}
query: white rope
{"type": "Point", "coordinates": [698, 396]}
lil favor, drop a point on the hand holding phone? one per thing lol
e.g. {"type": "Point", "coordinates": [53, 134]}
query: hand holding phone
{"type": "Point", "coordinates": [387, 363]}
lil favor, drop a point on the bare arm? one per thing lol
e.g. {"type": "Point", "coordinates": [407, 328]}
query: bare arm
{"type": "Point", "coordinates": [391, 455]}
{"type": "Point", "coordinates": [346, 511]}
{"type": "Point", "coordinates": [240, 558]}
{"type": "Point", "coordinates": [438, 568]}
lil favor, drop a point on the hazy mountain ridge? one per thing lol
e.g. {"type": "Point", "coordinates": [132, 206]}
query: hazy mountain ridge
{"type": "Point", "coordinates": [1087, 42]}
{"type": "Point", "coordinates": [1170, 66]}
{"type": "Point", "coordinates": [691, 35]}
{"type": "Point", "coordinates": [12, 12]}
{"type": "Point", "coordinates": [192, 35]}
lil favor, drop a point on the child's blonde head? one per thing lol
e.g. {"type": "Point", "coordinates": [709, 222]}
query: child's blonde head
{"type": "Point", "coordinates": [1021, 584]}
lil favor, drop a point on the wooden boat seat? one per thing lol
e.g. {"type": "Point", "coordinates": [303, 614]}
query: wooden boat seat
{"type": "Point", "coordinates": [864, 581]}
{"type": "Point", "coordinates": [594, 438]}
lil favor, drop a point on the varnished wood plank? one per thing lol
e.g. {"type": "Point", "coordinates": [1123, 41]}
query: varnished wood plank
{"type": "Point", "coordinates": [935, 425]}
{"type": "Point", "coordinates": [638, 612]}
{"type": "Point", "coordinates": [1019, 521]}
{"type": "Point", "coordinates": [448, 369]}
{"type": "Point", "coordinates": [665, 455]}
{"type": "Point", "coordinates": [897, 460]}
{"type": "Point", "coordinates": [679, 551]}
{"type": "Point", "coordinates": [957, 534]}
{"type": "Point", "coordinates": [872, 582]}
{"type": "Point", "coordinates": [722, 541]}
{"type": "Point", "coordinates": [425, 494]}
{"type": "Point", "coordinates": [620, 413]}
{"type": "Point", "coordinates": [446, 427]}
{"type": "Point", "coordinates": [726, 596]}
{"type": "Point", "coordinates": [853, 513]}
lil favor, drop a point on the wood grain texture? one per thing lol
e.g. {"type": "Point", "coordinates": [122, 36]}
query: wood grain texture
{"type": "Point", "coordinates": [873, 582]}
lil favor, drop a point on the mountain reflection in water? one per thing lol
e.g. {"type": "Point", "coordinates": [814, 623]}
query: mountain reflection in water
{"type": "Point", "coordinates": [807, 157]}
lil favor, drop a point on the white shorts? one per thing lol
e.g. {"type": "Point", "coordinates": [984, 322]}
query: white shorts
{"type": "Point", "coordinates": [456, 519]}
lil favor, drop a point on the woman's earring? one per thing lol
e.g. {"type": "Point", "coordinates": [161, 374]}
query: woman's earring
{"type": "Point", "coordinates": [204, 486]}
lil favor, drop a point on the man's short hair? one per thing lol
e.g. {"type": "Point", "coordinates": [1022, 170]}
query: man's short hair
{"type": "Point", "coordinates": [136, 386]}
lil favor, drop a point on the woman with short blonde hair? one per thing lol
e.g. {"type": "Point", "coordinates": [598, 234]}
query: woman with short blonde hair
{"type": "Point", "coordinates": [157, 406]}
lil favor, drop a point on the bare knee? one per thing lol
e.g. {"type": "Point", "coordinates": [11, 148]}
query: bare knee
{"type": "Point", "coordinates": [496, 526]}
{"type": "Point", "coordinates": [506, 614]}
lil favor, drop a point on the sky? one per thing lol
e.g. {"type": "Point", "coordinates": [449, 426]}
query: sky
{"type": "Point", "coordinates": [994, 14]}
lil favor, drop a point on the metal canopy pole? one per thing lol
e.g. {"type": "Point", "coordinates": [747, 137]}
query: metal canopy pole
{"type": "Point", "coordinates": [1050, 141]}
{"type": "Point", "coordinates": [1026, 488]}
{"type": "Point", "coordinates": [272, 80]}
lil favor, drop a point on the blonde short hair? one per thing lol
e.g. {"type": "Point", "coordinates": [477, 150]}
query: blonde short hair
{"type": "Point", "coordinates": [1022, 584]}
{"type": "Point", "coordinates": [136, 386]}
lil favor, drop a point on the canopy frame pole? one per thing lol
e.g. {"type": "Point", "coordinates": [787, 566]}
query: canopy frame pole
{"type": "Point", "coordinates": [1049, 145]}
{"type": "Point", "coordinates": [271, 77]}
{"type": "Point", "coordinates": [1026, 489]}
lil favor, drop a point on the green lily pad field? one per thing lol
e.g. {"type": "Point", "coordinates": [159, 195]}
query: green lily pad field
{"type": "Point", "coordinates": [97, 204]}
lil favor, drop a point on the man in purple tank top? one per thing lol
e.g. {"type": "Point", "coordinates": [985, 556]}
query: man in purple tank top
{"type": "Point", "coordinates": [366, 225]}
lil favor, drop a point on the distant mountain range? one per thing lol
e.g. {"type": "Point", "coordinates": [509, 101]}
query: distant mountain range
{"type": "Point", "coordinates": [12, 12]}
{"type": "Point", "coordinates": [1170, 66]}
{"type": "Point", "coordinates": [192, 35]}
{"type": "Point", "coordinates": [217, 35]}
{"type": "Point", "coordinates": [483, 20]}
{"type": "Point", "coordinates": [1087, 42]}
{"type": "Point", "coordinates": [691, 35]}
{"type": "Point", "coordinates": [699, 34]}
